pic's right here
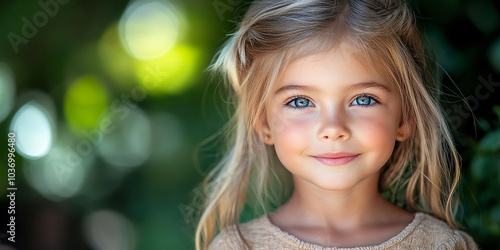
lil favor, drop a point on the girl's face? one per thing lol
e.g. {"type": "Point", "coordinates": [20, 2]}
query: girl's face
{"type": "Point", "coordinates": [332, 121]}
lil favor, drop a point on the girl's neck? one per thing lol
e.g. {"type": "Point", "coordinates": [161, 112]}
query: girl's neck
{"type": "Point", "coordinates": [348, 218]}
{"type": "Point", "coordinates": [344, 210]}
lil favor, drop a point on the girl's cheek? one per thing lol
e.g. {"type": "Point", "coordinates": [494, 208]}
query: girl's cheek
{"type": "Point", "coordinates": [380, 129]}
{"type": "Point", "coordinates": [293, 129]}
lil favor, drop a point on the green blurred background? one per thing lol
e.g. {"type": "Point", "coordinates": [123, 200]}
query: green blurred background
{"type": "Point", "coordinates": [110, 104]}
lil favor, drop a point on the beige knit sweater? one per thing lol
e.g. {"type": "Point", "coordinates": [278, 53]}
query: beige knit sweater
{"type": "Point", "coordinates": [424, 232]}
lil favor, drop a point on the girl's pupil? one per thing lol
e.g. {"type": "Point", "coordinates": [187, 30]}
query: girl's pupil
{"type": "Point", "coordinates": [363, 100]}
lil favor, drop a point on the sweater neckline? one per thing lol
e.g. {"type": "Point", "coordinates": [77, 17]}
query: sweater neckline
{"type": "Point", "coordinates": [296, 242]}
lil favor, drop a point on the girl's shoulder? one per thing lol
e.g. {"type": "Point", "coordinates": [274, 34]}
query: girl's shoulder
{"type": "Point", "coordinates": [430, 231]}
{"type": "Point", "coordinates": [254, 230]}
{"type": "Point", "coordinates": [424, 231]}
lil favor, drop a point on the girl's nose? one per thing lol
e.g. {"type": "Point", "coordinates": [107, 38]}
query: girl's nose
{"type": "Point", "coordinates": [333, 126]}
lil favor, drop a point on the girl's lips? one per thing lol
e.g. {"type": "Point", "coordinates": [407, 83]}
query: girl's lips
{"type": "Point", "coordinates": [335, 159]}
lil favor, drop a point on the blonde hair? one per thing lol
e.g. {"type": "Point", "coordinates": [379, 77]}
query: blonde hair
{"type": "Point", "coordinates": [275, 32]}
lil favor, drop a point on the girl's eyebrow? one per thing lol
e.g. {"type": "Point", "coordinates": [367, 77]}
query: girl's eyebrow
{"type": "Point", "coordinates": [371, 84]}
{"type": "Point", "coordinates": [290, 87]}
{"type": "Point", "coordinates": [361, 85]}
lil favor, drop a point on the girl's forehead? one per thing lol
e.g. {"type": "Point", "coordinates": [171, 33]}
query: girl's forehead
{"type": "Point", "coordinates": [342, 57]}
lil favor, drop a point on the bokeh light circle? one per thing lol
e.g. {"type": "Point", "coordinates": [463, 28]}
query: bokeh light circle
{"type": "Point", "coordinates": [109, 230]}
{"type": "Point", "coordinates": [85, 101]}
{"type": "Point", "coordinates": [32, 125]}
{"type": "Point", "coordinates": [127, 142]}
{"type": "Point", "coordinates": [148, 29]}
{"type": "Point", "coordinates": [60, 174]}
{"type": "Point", "coordinates": [172, 73]}
{"type": "Point", "coordinates": [117, 63]}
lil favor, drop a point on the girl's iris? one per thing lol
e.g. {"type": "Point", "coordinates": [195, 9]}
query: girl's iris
{"type": "Point", "coordinates": [364, 101]}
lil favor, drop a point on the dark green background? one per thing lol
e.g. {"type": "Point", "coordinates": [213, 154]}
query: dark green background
{"type": "Point", "coordinates": [155, 197]}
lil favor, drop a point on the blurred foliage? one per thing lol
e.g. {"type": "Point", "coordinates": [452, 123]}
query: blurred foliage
{"type": "Point", "coordinates": [128, 115]}
{"type": "Point", "coordinates": [481, 184]}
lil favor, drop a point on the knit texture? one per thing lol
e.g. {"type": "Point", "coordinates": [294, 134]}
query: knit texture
{"type": "Point", "coordinates": [424, 232]}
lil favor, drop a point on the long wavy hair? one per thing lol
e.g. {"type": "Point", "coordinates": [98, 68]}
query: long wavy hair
{"type": "Point", "coordinates": [275, 32]}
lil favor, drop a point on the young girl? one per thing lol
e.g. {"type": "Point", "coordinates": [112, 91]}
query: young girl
{"type": "Point", "coordinates": [340, 94]}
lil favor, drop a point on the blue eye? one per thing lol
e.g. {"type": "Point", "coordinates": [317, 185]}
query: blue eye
{"type": "Point", "coordinates": [299, 102]}
{"type": "Point", "coordinates": [364, 100]}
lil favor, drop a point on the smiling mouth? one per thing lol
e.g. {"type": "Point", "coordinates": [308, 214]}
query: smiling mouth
{"type": "Point", "coordinates": [336, 159]}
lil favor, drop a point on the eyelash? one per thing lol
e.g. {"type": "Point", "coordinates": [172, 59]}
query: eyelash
{"type": "Point", "coordinates": [292, 99]}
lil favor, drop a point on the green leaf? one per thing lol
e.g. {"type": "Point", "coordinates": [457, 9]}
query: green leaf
{"type": "Point", "coordinates": [496, 110]}
{"type": "Point", "coordinates": [495, 213]}
{"type": "Point", "coordinates": [479, 164]}
{"type": "Point", "coordinates": [483, 124]}
{"type": "Point", "coordinates": [490, 141]}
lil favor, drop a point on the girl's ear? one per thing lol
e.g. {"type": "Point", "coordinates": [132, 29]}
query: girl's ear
{"type": "Point", "coordinates": [263, 130]}
{"type": "Point", "coordinates": [404, 131]}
